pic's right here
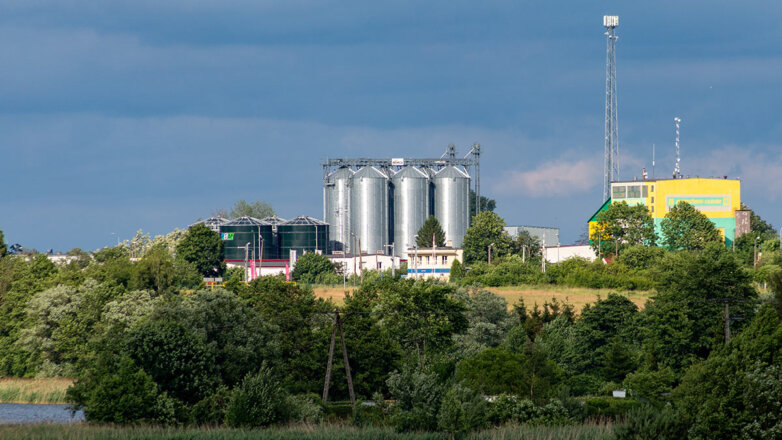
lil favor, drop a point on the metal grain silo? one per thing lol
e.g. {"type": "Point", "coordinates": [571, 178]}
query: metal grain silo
{"type": "Point", "coordinates": [336, 207]}
{"type": "Point", "coordinates": [369, 206]}
{"type": "Point", "coordinates": [303, 234]}
{"type": "Point", "coordinates": [452, 202]}
{"type": "Point", "coordinates": [411, 206]}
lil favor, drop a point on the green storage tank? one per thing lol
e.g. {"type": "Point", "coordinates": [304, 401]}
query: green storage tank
{"type": "Point", "coordinates": [303, 234]}
{"type": "Point", "coordinates": [237, 233]}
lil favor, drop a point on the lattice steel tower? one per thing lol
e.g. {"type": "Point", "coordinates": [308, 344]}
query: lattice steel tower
{"type": "Point", "coordinates": [611, 153]}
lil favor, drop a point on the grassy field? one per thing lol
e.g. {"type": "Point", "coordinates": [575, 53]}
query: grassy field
{"type": "Point", "coordinates": [576, 296]}
{"type": "Point", "coordinates": [48, 390]}
{"type": "Point", "coordinates": [325, 432]}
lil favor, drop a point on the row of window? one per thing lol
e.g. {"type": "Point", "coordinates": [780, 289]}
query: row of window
{"type": "Point", "coordinates": [428, 259]}
{"type": "Point", "coordinates": [630, 191]}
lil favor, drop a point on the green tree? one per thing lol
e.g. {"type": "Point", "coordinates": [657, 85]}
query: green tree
{"type": "Point", "coordinates": [622, 226]}
{"type": "Point", "coordinates": [430, 228]}
{"type": "Point", "coordinates": [684, 322]}
{"type": "Point", "coordinates": [116, 390]}
{"type": "Point", "coordinates": [418, 394]}
{"type": "Point", "coordinates": [258, 401]}
{"type": "Point", "coordinates": [310, 265]}
{"type": "Point", "coordinates": [737, 391]}
{"type": "Point", "coordinates": [3, 247]}
{"type": "Point", "coordinates": [203, 248]}
{"type": "Point", "coordinates": [461, 411]}
{"type": "Point", "coordinates": [457, 271]}
{"type": "Point", "coordinates": [685, 228]}
{"type": "Point", "coordinates": [526, 245]}
{"type": "Point", "coordinates": [487, 204]}
{"type": "Point", "coordinates": [258, 209]}
{"type": "Point", "coordinates": [421, 315]}
{"type": "Point", "coordinates": [486, 228]}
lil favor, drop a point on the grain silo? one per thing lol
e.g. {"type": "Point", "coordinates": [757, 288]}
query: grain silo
{"type": "Point", "coordinates": [369, 206]}
{"type": "Point", "coordinates": [337, 207]}
{"type": "Point", "coordinates": [411, 206]}
{"type": "Point", "coordinates": [452, 202]}
{"type": "Point", "coordinates": [303, 234]}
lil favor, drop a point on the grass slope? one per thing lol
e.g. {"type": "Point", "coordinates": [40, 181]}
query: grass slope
{"type": "Point", "coordinates": [45, 390]}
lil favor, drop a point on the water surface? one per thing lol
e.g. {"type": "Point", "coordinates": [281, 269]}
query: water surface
{"type": "Point", "coordinates": [37, 413]}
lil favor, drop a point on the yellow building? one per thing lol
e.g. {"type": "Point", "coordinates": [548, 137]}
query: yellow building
{"type": "Point", "coordinates": [432, 263]}
{"type": "Point", "coordinates": [718, 199]}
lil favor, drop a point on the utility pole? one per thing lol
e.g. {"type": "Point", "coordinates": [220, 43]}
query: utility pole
{"type": "Point", "coordinates": [393, 260]}
{"type": "Point", "coordinates": [490, 246]}
{"type": "Point", "coordinates": [338, 326]}
{"type": "Point", "coordinates": [755, 252]}
{"type": "Point", "coordinates": [727, 323]}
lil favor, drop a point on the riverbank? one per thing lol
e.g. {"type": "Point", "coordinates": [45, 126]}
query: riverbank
{"type": "Point", "coordinates": [306, 432]}
{"type": "Point", "coordinates": [42, 390]}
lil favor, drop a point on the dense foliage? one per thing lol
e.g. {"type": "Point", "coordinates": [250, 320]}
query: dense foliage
{"type": "Point", "coordinates": [622, 226]}
{"type": "Point", "coordinates": [147, 343]}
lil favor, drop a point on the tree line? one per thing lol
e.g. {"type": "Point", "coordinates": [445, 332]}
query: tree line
{"type": "Point", "coordinates": [148, 343]}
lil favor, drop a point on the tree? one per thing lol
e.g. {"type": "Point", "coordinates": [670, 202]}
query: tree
{"type": "Point", "coordinates": [203, 248]}
{"type": "Point", "coordinates": [310, 265]}
{"type": "Point", "coordinates": [258, 209]}
{"type": "Point", "coordinates": [685, 228]}
{"type": "Point", "coordinates": [258, 401]}
{"type": "Point", "coordinates": [462, 410]}
{"type": "Point", "coordinates": [3, 247]}
{"type": "Point", "coordinates": [526, 245]}
{"type": "Point", "coordinates": [430, 228]}
{"type": "Point", "coordinates": [422, 316]}
{"type": "Point", "coordinates": [486, 228]}
{"type": "Point", "coordinates": [621, 226]}
{"type": "Point", "coordinates": [487, 204]}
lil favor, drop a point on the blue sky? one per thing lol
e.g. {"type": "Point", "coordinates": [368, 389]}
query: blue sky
{"type": "Point", "coordinates": [126, 115]}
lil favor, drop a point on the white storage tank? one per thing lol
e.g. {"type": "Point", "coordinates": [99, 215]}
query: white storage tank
{"type": "Point", "coordinates": [452, 202]}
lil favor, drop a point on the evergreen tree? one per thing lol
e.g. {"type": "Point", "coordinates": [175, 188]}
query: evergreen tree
{"type": "Point", "coordinates": [430, 228]}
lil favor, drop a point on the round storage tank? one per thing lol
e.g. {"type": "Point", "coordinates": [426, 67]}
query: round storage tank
{"type": "Point", "coordinates": [240, 231]}
{"type": "Point", "coordinates": [452, 202]}
{"type": "Point", "coordinates": [337, 207]}
{"type": "Point", "coordinates": [303, 234]}
{"type": "Point", "coordinates": [411, 206]}
{"type": "Point", "coordinates": [369, 210]}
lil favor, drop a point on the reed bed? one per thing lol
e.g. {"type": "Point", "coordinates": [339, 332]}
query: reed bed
{"type": "Point", "coordinates": [316, 432]}
{"type": "Point", "coordinates": [44, 390]}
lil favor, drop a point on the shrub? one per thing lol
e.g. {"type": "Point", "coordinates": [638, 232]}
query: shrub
{"type": "Point", "coordinates": [609, 407]}
{"type": "Point", "coordinates": [461, 411]}
{"type": "Point", "coordinates": [418, 395]}
{"type": "Point", "coordinates": [651, 423]}
{"type": "Point", "coordinates": [257, 401]}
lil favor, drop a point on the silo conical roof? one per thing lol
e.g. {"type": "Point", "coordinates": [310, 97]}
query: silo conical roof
{"type": "Point", "coordinates": [246, 221]}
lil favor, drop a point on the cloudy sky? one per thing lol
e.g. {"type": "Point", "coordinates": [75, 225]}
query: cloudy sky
{"type": "Point", "coordinates": [126, 115]}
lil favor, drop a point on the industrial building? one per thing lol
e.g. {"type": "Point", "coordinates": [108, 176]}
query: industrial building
{"type": "Point", "coordinates": [248, 239]}
{"type": "Point", "coordinates": [372, 204]}
{"type": "Point", "coordinates": [546, 235]}
{"type": "Point", "coordinates": [432, 262]}
{"type": "Point", "coordinates": [718, 198]}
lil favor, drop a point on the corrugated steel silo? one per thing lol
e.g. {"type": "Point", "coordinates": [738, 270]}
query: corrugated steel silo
{"type": "Point", "coordinates": [452, 202]}
{"type": "Point", "coordinates": [369, 206]}
{"type": "Point", "coordinates": [337, 207]}
{"type": "Point", "coordinates": [411, 206]}
{"type": "Point", "coordinates": [303, 234]}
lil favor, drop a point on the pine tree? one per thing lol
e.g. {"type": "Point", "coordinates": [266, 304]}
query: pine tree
{"type": "Point", "coordinates": [431, 227]}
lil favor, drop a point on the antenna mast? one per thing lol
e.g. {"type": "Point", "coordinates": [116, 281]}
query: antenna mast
{"type": "Point", "coordinates": [676, 171]}
{"type": "Point", "coordinates": [611, 152]}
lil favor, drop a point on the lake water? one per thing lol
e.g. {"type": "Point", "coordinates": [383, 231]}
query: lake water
{"type": "Point", "coordinates": [33, 413]}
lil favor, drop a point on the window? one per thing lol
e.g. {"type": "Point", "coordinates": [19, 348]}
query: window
{"type": "Point", "coordinates": [634, 192]}
{"type": "Point", "coordinates": [618, 192]}
{"type": "Point", "coordinates": [646, 191]}
{"type": "Point", "coordinates": [427, 260]}
{"type": "Point", "coordinates": [652, 209]}
{"type": "Point", "coordinates": [652, 188]}
{"type": "Point", "coordinates": [445, 260]}
{"type": "Point", "coordinates": [652, 199]}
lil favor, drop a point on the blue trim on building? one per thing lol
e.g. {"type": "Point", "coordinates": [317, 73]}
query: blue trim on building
{"type": "Point", "coordinates": [428, 270]}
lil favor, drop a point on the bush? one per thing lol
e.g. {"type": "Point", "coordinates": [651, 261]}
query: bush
{"type": "Point", "coordinates": [461, 411]}
{"type": "Point", "coordinates": [305, 408]}
{"type": "Point", "coordinates": [418, 395]}
{"type": "Point", "coordinates": [211, 409]}
{"type": "Point", "coordinates": [118, 391]}
{"type": "Point", "coordinates": [508, 408]}
{"type": "Point", "coordinates": [650, 423]}
{"type": "Point", "coordinates": [609, 407]}
{"type": "Point", "coordinates": [258, 401]}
